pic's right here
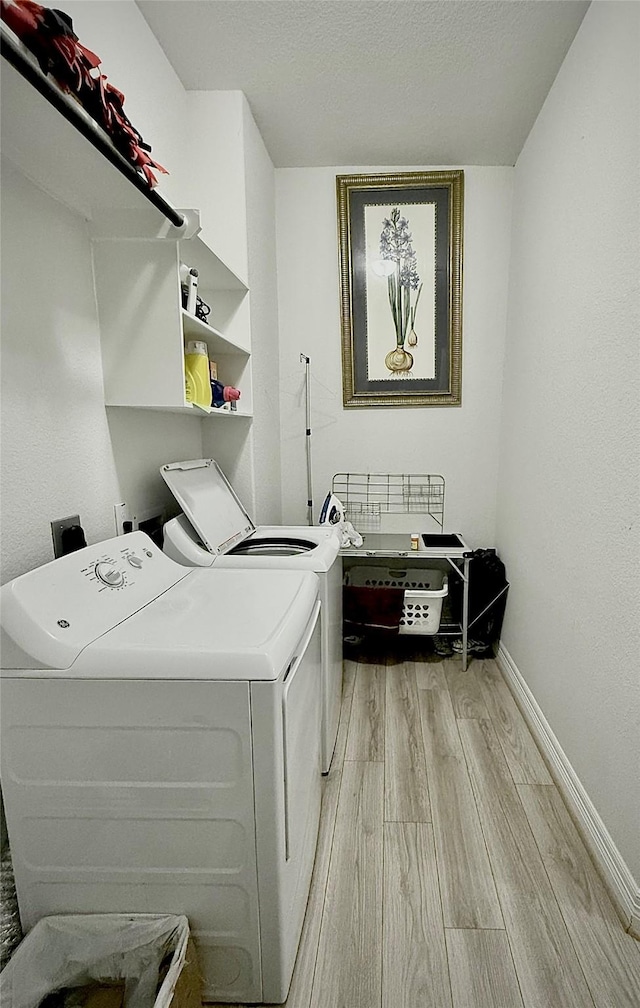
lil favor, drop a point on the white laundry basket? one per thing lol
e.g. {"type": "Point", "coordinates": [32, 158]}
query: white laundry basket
{"type": "Point", "coordinates": [424, 593]}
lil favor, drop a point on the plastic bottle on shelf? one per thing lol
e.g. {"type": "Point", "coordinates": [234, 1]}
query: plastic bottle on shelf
{"type": "Point", "coordinates": [223, 396]}
{"type": "Point", "coordinates": [196, 370]}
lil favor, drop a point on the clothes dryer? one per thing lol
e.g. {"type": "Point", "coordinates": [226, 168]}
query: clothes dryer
{"type": "Point", "coordinates": [161, 751]}
{"type": "Point", "coordinates": [216, 530]}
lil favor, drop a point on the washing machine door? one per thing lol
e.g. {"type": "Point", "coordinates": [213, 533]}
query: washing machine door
{"type": "Point", "coordinates": [209, 502]}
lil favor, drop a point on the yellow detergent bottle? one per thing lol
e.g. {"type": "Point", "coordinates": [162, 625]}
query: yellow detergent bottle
{"type": "Point", "coordinates": [196, 371]}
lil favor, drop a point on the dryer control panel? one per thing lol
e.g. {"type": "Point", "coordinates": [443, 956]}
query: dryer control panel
{"type": "Point", "coordinates": [53, 612]}
{"type": "Point", "coordinates": [120, 568]}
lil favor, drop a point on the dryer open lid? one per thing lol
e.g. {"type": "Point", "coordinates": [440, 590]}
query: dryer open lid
{"type": "Point", "coordinates": [217, 514]}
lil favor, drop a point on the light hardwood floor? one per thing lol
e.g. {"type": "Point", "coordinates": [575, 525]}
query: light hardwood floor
{"type": "Point", "coordinates": [449, 873]}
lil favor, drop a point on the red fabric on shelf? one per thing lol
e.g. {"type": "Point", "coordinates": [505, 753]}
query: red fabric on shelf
{"type": "Point", "coordinates": [374, 608]}
{"type": "Point", "coordinates": [48, 33]}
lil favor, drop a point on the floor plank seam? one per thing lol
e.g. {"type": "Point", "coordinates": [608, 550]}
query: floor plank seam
{"type": "Point", "coordinates": [441, 904]}
{"type": "Point", "coordinates": [549, 877]}
{"type": "Point", "coordinates": [337, 768]}
{"type": "Point", "coordinates": [559, 901]}
{"type": "Point", "coordinates": [414, 822]}
{"type": "Point", "coordinates": [514, 837]}
{"type": "Point", "coordinates": [323, 883]}
{"type": "Point", "coordinates": [513, 963]}
{"type": "Point", "coordinates": [468, 927]}
{"type": "Point", "coordinates": [483, 831]}
{"type": "Point", "coordinates": [382, 906]}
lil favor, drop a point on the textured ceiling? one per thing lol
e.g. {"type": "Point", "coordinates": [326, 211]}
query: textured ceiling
{"type": "Point", "coordinates": [375, 82]}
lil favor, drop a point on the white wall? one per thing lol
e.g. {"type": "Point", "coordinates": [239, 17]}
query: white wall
{"type": "Point", "coordinates": [568, 513]}
{"type": "Point", "coordinates": [233, 181]}
{"type": "Point", "coordinates": [216, 173]}
{"type": "Point", "coordinates": [217, 184]}
{"type": "Point", "coordinates": [134, 62]}
{"type": "Point", "coordinates": [261, 250]}
{"type": "Point", "coordinates": [58, 454]}
{"type": "Point", "coordinates": [62, 452]}
{"type": "Point", "coordinates": [461, 443]}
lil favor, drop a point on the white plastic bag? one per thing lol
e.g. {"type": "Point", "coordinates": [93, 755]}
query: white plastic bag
{"type": "Point", "coordinates": [72, 950]}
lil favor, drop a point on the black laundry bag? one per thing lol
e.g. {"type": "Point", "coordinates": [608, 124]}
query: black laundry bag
{"type": "Point", "coordinates": [488, 588]}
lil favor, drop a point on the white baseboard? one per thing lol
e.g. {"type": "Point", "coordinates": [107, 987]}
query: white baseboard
{"type": "Point", "coordinates": [622, 887]}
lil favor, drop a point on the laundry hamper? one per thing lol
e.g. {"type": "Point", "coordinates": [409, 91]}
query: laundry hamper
{"type": "Point", "coordinates": [104, 961]}
{"type": "Point", "coordinates": [424, 593]}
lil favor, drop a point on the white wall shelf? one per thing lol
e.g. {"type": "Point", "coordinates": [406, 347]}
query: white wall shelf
{"type": "Point", "coordinates": [195, 329]}
{"type": "Point", "coordinates": [144, 327]}
{"type": "Point", "coordinates": [189, 409]}
{"type": "Point", "coordinates": [139, 241]}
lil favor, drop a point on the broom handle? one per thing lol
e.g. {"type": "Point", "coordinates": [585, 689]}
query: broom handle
{"type": "Point", "coordinates": [306, 361]}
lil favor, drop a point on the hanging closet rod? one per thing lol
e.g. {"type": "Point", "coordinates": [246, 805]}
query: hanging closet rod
{"type": "Point", "coordinates": [84, 124]}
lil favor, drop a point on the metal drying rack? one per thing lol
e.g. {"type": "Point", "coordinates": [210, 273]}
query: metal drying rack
{"type": "Point", "coordinates": [367, 497]}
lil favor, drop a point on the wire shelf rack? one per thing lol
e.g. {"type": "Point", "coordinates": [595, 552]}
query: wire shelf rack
{"type": "Point", "coordinates": [368, 496]}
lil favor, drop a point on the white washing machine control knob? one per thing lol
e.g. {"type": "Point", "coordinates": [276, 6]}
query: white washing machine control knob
{"type": "Point", "coordinates": [135, 561]}
{"type": "Point", "coordinates": [109, 574]}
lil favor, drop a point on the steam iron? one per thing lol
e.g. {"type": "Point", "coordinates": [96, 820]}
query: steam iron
{"type": "Point", "coordinates": [332, 511]}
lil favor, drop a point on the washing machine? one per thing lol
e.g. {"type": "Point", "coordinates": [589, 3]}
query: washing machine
{"type": "Point", "coordinates": [216, 530]}
{"type": "Point", "coordinates": [161, 750]}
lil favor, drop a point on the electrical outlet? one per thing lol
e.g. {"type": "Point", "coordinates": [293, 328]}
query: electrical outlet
{"type": "Point", "coordinates": [57, 528]}
{"type": "Point", "coordinates": [150, 521]}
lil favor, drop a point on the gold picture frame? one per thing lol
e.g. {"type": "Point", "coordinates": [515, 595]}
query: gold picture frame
{"type": "Point", "coordinates": [400, 246]}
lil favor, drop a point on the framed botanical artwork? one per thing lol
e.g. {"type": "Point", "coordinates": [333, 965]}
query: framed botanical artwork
{"type": "Point", "coordinates": [400, 242]}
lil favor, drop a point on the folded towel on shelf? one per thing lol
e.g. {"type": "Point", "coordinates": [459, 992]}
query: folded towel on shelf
{"type": "Point", "coordinates": [377, 609]}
